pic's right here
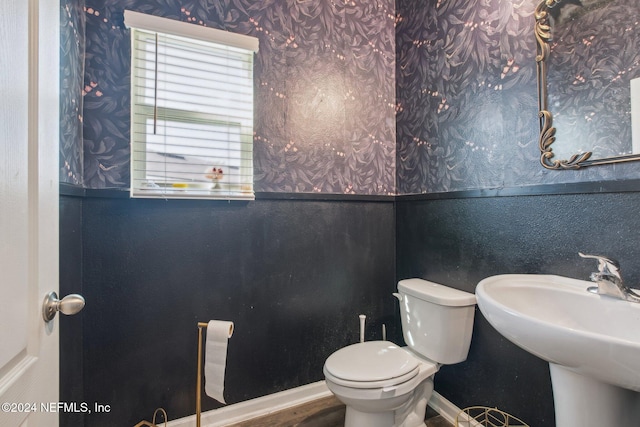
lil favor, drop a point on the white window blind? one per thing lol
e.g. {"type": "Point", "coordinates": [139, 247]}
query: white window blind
{"type": "Point", "coordinates": [191, 110]}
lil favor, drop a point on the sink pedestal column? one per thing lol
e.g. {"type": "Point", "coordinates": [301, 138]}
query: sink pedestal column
{"type": "Point", "coordinates": [585, 402]}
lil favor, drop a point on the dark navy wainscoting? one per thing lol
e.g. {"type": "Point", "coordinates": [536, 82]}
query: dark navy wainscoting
{"type": "Point", "coordinates": [71, 363]}
{"type": "Point", "coordinates": [458, 242]}
{"type": "Point", "coordinates": [292, 274]}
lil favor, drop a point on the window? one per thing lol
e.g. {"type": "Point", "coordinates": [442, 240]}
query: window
{"type": "Point", "coordinates": [191, 110]}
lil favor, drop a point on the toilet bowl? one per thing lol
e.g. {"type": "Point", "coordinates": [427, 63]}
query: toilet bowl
{"type": "Point", "coordinates": [377, 378]}
{"type": "Point", "coordinates": [384, 385]}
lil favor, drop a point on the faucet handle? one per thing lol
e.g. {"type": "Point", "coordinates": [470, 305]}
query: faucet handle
{"type": "Point", "coordinates": [605, 265]}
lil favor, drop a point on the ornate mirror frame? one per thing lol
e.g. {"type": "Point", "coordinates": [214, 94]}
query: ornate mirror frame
{"type": "Point", "coordinates": [547, 131]}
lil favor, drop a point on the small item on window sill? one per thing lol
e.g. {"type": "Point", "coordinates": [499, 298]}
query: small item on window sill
{"type": "Point", "coordinates": [215, 174]}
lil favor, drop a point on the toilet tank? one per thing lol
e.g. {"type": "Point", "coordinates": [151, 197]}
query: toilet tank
{"type": "Point", "coordinates": [437, 321]}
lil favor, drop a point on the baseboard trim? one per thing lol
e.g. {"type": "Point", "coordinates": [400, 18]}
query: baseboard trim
{"type": "Point", "coordinates": [265, 405]}
{"type": "Point", "coordinates": [442, 406]}
{"type": "Point", "coordinates": [257, 407]}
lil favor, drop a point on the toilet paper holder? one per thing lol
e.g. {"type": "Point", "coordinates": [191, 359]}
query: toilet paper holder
{"type": "Point", "coordinates": [216, 327]}
{"type": "Point", "coordinates": [201, 325]}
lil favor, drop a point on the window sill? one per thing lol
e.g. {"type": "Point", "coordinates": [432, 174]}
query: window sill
{"type": "Point", "coordinates": [191, 193]}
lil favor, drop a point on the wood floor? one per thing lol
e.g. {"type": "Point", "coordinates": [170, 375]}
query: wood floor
{"type": "Point", "coordinates": [326, 412]}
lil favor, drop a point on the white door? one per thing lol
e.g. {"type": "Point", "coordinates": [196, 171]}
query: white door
{"type": "Point", "coordinates": [29, 51]}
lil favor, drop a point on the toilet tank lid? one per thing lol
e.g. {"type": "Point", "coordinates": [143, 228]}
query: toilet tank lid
{"type": "Point", "coordinates": [436, 293]}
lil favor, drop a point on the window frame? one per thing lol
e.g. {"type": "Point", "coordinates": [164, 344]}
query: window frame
{"type": "Point", "coordinates": [141, 112]}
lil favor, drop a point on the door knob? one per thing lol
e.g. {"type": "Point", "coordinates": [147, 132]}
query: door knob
{"type": "Point", "coordinates": [71, 304]}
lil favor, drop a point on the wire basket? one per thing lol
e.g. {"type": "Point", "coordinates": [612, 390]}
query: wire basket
{"type": "Point", "coordinates": [482, 416]}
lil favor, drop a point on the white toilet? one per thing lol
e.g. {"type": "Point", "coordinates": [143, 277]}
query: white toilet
{"type": "Point", "coordinates": [383, 385]}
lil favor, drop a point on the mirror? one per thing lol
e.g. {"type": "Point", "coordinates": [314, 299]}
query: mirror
{"type": "Point", "coordinates": [588, 69]}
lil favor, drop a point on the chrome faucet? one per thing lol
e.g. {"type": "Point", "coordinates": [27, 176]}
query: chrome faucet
{"type": "Point", "coordinates": [609, 279]}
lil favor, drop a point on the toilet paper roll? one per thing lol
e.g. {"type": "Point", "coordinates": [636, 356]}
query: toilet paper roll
{"type": "Point", "coordinates": [215, 359]}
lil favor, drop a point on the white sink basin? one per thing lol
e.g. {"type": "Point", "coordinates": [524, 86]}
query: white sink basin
{"type": "Point", "coordinates": [556, 319]}
{"type": "Point", "coordinates": [592, 342]}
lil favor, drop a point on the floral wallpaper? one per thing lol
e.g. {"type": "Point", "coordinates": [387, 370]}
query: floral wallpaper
{"type": "Point", "coordinates": [467, 98]}
{"type": "Point", "coordinates": [71, 82]}
{"type": "Point", "coordinates": [466, 93]}
{"type": "Point", "coordinates": [365, 97]}
{"type": "Point", "coordinates": [324, 90]}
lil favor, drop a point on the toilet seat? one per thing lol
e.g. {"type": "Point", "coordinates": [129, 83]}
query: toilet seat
{"type": "Point", "coordinates": [372, 364]}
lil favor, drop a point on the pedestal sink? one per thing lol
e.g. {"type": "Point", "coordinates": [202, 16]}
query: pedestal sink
{"type": "Point", "coordinates": [592, 343]}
